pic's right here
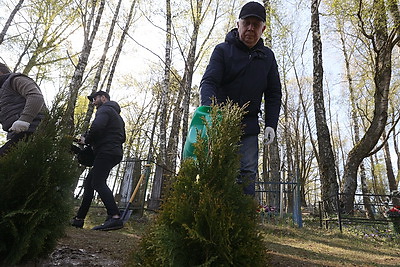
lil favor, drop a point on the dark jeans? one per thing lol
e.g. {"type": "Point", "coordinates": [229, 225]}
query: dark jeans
{"type": "Point", "coordinates": [248, 163]}
{"type": "Point", "coordinates": [96, 180]}
{"type": "Point", "coordinates": [12, 141]}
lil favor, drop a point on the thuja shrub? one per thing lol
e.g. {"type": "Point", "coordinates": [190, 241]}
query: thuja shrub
{"type": "Point", "coordinates": [207, 220]}
{"type": "Point", "coordinates": [36, 179]}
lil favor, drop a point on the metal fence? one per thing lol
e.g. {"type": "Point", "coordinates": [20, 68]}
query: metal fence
{"type": "Point", "coordinates": [378, 204]}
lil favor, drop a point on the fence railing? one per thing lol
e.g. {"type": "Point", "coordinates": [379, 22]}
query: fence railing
{"type": "Point", "coordinates": [378, 205]}
{"type": "Point", "coordinates": [279, 192]}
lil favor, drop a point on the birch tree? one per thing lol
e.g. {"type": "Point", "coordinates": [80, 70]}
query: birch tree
{"type": "Point", "coordinates": [91, 17]}
{"type": "Point", "coordinates": [191, 52]}
{"type": "Point", "coordinates": [326, 161]}
{"type": "Point", "coordinates": [100, 66]}
{"type": "Point", "coordinates": [271, 160]}
{"type": "Point", "coordinates": [159, 180]}
{"type": "Point", "coordinates": [166, 84]}
{"type": "Point", "coordinates": [9, 20]}
{"type": "Point", "coordinates": [39, 34]}
{"type": "Point", "coordinates": [199, 10]}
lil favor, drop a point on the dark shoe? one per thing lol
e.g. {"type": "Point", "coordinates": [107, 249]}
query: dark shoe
{"type": "Point", "coordinates": [78, 223]}
{"type": "Point", "coordinates": [110, 224]}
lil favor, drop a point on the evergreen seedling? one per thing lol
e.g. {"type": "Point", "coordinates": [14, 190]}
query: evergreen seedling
{"type": "Point", "coordinates": [36, 179]}
{"type": "Point", "coordinates": [207, 220]}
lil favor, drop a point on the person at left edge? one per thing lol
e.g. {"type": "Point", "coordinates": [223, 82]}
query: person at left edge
{"type": "Point", "coordinates": [22, 106]}
{"type": "Point", "coordinates": [106, 136]}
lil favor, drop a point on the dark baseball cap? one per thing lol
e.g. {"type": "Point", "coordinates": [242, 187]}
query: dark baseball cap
{"type": "Point", "coordinates": [93, 95]}
{"type": "Point", "coordinates": [252, 9]}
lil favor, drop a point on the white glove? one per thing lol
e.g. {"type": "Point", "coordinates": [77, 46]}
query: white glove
{"type": "Point", "coordinates": [19, 126]}
{"type": "Point", "coordinates": [269, 135]}
{"type": "Point", "coordinates": [82, 140]}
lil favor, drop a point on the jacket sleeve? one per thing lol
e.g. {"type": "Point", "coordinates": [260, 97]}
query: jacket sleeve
{"type": "Point", "coordinates": [212, 77]}
{"type": "Point", "coordinates": [273, 96]}
{"type": "Point", "coordinates": [34, 98]}
{"type": "Point", "coordinates": [98, 126]}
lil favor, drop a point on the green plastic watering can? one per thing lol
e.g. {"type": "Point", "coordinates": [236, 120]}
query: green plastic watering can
{"type": "Point", "coordinates": [196, 125]}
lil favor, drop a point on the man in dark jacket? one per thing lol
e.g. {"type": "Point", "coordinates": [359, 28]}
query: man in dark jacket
{"type": "Point", "coordinates": [106, 136]}
{"type": "Point", "coordinates": [22, 106]}
{"type": "Point", "coordinates": [243, 70]}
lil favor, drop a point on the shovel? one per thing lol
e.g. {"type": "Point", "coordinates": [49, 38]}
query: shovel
{"type": "Point", "coordinates": [127, 212]}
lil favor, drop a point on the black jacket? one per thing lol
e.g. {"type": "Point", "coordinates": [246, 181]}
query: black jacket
{"type": "Point", "coordinates": [244, 75]}
{"type": "Point", "coordinates": [107, 132]}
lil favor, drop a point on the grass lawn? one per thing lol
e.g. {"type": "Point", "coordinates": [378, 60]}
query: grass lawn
{"type": "Point", "coordinates": [358, 245]}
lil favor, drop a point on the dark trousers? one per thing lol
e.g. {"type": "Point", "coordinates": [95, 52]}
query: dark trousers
{"type": "Point", "coordinates": [248, 163]}
{"type": "Point", "coordinates": [96, 180]}
{"type": "Point", "coordinates": [12, 141]}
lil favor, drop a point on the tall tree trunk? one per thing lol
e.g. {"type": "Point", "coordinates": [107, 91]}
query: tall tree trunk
{"type": "Point", "coordinates": [161, 180]}
{"type": "Point", "coordinates": [172, 146]}
{"type": "Point", "coordinates": [396, 148]}
{"type": "Point", "coordinates": [77, 77]}
{"type": "Point", "coordinates": [9, 20]}
{"type": "Point", "coordinates": [268, 25]}
{"type": "Point", "coordinates": [383, 46]}
{"type": "Point", "coordinates": [389, 169]}
{"type": "Point", "coordinates": [271, 159]}
{"type": "Point", "coordinates": [165, 86]}
{"type": "Point", "coordinates": [100, 66]}
{"type": "Point", "coordinates": [394, 10]}
{"type": "Point", "coordinates": [189, 68]}
{"type": "Point", "coordinates": [329, 186]}
{"type": "Point", "coordinates": [365, 190]}
{"type": "Point", "coordinates": [354, 118]}
{"type": "Point", "coordinates": [120, 45]}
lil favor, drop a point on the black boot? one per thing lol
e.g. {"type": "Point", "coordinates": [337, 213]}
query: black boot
{"type": "Point", "coordinates": [78, 223]}
{"type": "Point", "coordinates": [110, 224]}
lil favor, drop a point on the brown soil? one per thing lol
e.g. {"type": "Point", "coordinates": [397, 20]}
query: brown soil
{"type": "Point", "coordinates": [85, 247]}
{"type": "Point", "coordinates": [286, 246]}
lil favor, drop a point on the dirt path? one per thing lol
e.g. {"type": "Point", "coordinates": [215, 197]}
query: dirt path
{"type": "Point", "coordinates": [84, 247]}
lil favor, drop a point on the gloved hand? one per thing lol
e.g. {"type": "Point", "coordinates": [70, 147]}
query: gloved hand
{"type": "Point", "coordinates": [82, 140]}
{"type": "Point", "coordinates": [19, 126]}
{"type": "Point", "coordinates": [269, 135]}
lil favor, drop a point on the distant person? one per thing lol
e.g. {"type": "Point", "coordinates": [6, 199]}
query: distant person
{"type": "Point", "coordinates": [22, 106]}
{"type": "Point", "coordinates": [106, 136]}
{"type": "Point", "coordinates": [243, 70]}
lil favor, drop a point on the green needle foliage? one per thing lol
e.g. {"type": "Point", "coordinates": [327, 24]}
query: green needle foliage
{"type": "Point", "coordinates": [207, 220]}
{"type": "Point", "coordinates": [36, 179]}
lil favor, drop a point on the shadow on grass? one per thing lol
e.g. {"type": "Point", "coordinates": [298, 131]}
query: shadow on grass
{"type": "Point", "coordinates": [316, 247]}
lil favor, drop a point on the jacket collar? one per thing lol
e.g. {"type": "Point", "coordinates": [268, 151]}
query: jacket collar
{"type": "Point", "coordinates": [233, 37]}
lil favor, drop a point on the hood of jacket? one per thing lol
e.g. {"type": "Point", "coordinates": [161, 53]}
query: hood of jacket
{"type": "Point", "coordinates": [114, 105]}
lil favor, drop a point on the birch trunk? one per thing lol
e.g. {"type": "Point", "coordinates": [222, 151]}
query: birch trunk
{"type": "Point", "coordinates": [172, 146]}
{"type": "Point", "coordinates": [159, 180]}
{"type": "Point", "coordinates": [120, 45]}
{"type": "Point", "coordinates": [97, 77]}
{"type": "Point", "coordinates": [329, 186]}
{"type": "Point", "coordinates": [189, 68]}
{"type": "Point", "coordinates": [76, 81]}
{"type": "Point", "coordinates": [165, 86]}
{"type": "Point", "coordinates": [9, 20]}
{"type": "Point", "coordinates": [271, 159]}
